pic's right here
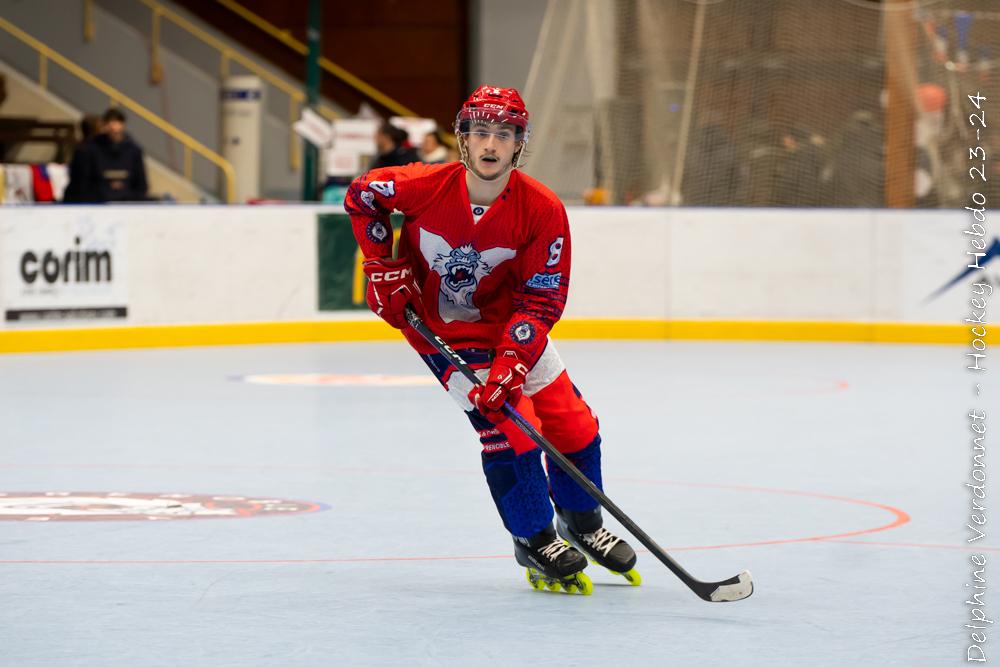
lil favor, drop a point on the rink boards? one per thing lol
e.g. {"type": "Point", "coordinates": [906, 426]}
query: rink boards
{"type": "Point", "coordinates": [136, 276]}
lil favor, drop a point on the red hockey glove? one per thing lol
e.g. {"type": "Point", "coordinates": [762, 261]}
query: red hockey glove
{"type": "Point", "coordinates": [505, 383]}
{"type": "Point", "coordinates": [390, 287]}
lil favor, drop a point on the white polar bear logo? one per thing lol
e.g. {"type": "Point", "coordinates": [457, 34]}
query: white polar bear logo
{"type": "Point", "coordinates": [460, 269]}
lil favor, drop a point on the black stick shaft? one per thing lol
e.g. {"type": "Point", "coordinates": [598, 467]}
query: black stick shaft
{"type": "Point", "coordinates": [702, 589]}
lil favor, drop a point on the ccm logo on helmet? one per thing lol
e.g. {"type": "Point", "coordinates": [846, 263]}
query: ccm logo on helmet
{"type": "Point", "coordinates": [389, 276]}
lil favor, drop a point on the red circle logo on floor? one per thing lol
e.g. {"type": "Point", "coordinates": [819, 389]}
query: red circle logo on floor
{"type": "Point", "coordinates": [105, 506]}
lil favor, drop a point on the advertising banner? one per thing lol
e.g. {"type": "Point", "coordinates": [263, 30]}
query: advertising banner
{"type": "Point", "coordinates": [63, 267]}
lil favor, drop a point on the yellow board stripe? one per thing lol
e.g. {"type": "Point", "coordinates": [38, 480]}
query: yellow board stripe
{"type": "Point", "coordinates": [182, 335]}
{"type": "Point", "coordinates": [249, 333]}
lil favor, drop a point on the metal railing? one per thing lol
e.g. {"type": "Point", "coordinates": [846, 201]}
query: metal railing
{"type": "Point", "coordinates": [46, 54]}
{"type": "Point", "coordinates": [296, 98]}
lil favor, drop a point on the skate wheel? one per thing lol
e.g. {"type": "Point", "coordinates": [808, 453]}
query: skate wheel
{"type": "Point", "coordinates": [584, 584]}
{"type": "Point", "coordinates": [534, 580]}
{"type": "Point", "coordinates": [632, 577]}
{"type": "Point", "coordinates": [554, 586]}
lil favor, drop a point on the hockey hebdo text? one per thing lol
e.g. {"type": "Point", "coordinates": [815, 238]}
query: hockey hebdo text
{"type": "Point", "coordinates": [977, 621]}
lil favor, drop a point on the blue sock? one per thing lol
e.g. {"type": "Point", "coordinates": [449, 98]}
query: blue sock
{"type": "Point", "coordinates": [567, 494]}
{"type": "Point", "coordinates": [520, 490]}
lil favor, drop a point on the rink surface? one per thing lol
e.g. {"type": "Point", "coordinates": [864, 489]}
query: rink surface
{"type": "Point", "coordinates": [834, 472]}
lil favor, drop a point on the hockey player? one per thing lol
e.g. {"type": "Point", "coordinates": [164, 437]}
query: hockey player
{"type": "Point", "coordinates": [484, 258]}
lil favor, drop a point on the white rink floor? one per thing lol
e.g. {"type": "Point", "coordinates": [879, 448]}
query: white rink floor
{"type": "Point", "coordinates": [834, 472]}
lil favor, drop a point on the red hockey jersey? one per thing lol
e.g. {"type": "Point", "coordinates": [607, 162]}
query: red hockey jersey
{"type": "Point", "coordinates": [499, 282]}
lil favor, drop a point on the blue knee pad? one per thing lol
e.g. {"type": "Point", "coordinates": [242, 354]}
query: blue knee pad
{"type": "Point", "coordinates": [567, 494]}
{"type": "Point", "coordinates": [520, 490]}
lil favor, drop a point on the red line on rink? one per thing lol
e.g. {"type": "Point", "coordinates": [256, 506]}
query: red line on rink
{"type": "Point", "coordinates": [900, 517]}
{"type": "Point", "coordinates": [913, 545]}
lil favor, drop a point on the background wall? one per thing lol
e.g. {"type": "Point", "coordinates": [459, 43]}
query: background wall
{"type": "Point", "coordinates": [412, 51]}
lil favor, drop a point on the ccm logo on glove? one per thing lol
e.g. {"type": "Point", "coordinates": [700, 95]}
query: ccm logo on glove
{"type": "Point", "coordinates": [390, 287]}
{"type": "Point", "coordinates": [388, 276]}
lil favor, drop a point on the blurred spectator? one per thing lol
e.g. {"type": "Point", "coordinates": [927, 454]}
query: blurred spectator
{"type": "Point", "coordinates": [925, 190]}
{"type": "Point", "coordinates": [800, 170]}
{"type": "Point", "coordinates": [433, 149]}
{"type": "Point", "coordinates": [112, 166]}
{"type": "Point", "coordinates": [82, 161]}
{"type": "Point", "coordinates": [719, 184]}
{"type": "Point", "coordinates": [90, 126]}
{"type": "Point", "coordinates": [761, 158]}
{"type": "Point", "coordinates": [393, 151]}
{"type": "Point", "coordinates": [763, 163]}
{"type": "Point", "coordinates": [857, 169]}
{"type": "Point", "coordinates": [929, 133]}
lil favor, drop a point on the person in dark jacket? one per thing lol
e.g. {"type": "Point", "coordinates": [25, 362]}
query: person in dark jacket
{"type": "Point", "coordinates": [78, 189]}
{"type": "Point", "coordinates": [716, 177]}
{"type": "Point", "coordinates": [393, 151]}
{"type": "Point", "coordinates": [799, 170]}
{"type": "Point", "coordinates": [858, 169]}
{"type": "Point", "coordinates": [111, 165]}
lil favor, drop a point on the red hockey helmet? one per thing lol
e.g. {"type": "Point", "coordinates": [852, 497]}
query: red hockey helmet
{"type": "Point", "coordinates": [496, 105]}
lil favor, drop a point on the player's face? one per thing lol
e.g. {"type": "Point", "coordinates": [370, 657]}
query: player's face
{"type": "Point", "coordinates": [491, 149]}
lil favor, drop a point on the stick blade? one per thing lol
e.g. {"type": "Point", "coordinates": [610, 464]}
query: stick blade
{"type": "Point", "coordinates": [730, 590]}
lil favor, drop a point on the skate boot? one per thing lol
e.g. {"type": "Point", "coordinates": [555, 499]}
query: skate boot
{"type": "Point", "coordinates": [585, 531]}
{"type": "Point", "coordinates": [552, 564]}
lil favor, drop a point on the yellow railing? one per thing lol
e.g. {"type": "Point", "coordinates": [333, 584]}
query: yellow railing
{"type": "Point", "coordinates": [296, 98]}
{"type": "Point", "coordinates": [116, 97]}
{"type": "Point", "coordinates": [286, 38]}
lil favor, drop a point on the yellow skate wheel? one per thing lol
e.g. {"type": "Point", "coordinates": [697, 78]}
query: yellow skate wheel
{"type": "Point", "coordinates": [584, 583]}
{"type": "Point", "coordinates": [572, 588]}
{"type": "Point", "coordinates": [554, 586]}
{"type": "Point", "coordinates": [632, 577]}
{"type": "Point", "coordinates": [534, 580]}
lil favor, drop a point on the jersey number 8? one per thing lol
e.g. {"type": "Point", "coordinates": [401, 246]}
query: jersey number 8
{"type": "Point", "coordinates": [555, 251]}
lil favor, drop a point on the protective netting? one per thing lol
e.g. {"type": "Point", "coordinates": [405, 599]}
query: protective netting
{"type": "Point", "coordinates": [743, 102]}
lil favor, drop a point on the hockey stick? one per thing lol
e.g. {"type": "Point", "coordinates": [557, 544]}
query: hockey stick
{"type": "Point", "coordinates": [736, 588]}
